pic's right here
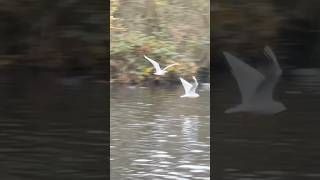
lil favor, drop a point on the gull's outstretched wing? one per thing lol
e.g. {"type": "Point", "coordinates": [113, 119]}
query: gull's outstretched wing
{"type": "Point", "coordinates": [265, 89]}
{"type": "Point", "coordinates": [186, 85]}
{"type": "Point", "coordinates": [154, 63]}
{"type": "Point", "coordinates": [169, 66]}
{"type": "Point", "coordinates": [194, 87]}
{"type": "Point", "coordinates": [248, 78]}
{"type": "Point", "coordinates": [275, 65]}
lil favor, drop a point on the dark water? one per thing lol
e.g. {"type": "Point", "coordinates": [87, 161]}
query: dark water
{"type": "Point", "coordinates": [155, 134]}
{"type": "Point", "coordinates": [52, 126]}
{"type": "Point", "coordinates": [284, 146]}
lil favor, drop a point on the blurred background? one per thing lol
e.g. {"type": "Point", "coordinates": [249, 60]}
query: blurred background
{"type": "Point", "coordinates": [282, 146]}
{"type": "Point", "coordinates": [291, 28]}
{"type": "Point", "coordinates": [53, 74]}
{"type": "Point", "coordinates": [65, 34]}
{"type": "Point", "coordinates": [166, 31]}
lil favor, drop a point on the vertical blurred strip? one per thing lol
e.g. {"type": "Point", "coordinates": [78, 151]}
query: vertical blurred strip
{"type": "Point", "coordinates": [108, 86]}
{"type": "Point", "coordinates": [54, 88]}
{"type": "Point", "coordinates": [212, 45]}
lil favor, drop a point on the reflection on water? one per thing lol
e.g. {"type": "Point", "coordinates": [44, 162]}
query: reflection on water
{"type": "Point", "coordinates": [284, 146]}
{"type": "Point", "coordinates": [50, 130]}
{"type": "Point", "coordinates": [155, 134]}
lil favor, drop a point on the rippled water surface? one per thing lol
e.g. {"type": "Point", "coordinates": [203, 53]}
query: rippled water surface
{"type": "Point", "coordinates": [52, 127]}
{"type": "Point", "coordinates": [155, 134]}
{"type": "Point", "coordinates": [284, 146]}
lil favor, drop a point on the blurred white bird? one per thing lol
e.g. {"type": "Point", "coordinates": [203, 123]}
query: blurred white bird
{"type": "Point", "coordinates": [190, 90]}
{"type": "Point", "coordinates": [156, 65]}
{"type": "Point", "coordinates": [256, 89]}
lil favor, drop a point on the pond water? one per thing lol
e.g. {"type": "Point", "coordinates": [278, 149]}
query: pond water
{"type": "Point", "coordinates": [52, 126]}
{"type": "Point", "coordinates": [155, 134]}
{"type": "Point", "coordinates": [284, 146]}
